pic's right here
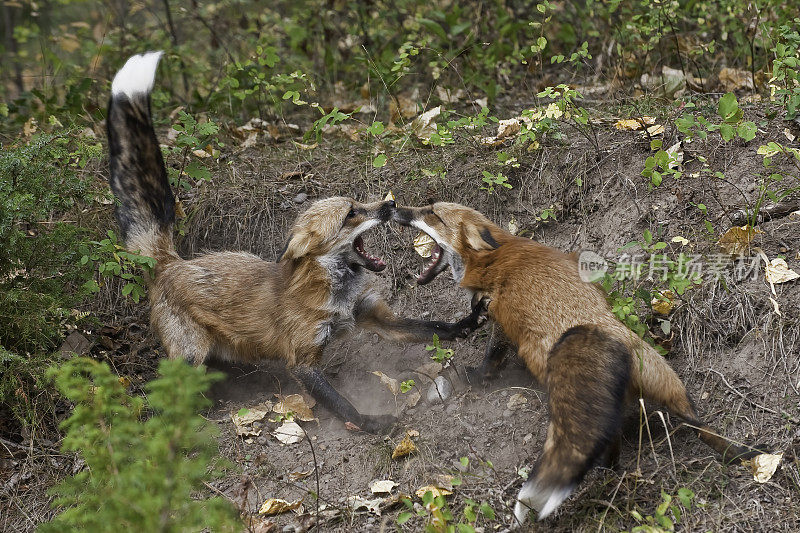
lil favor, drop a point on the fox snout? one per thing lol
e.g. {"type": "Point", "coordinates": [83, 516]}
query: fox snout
{"type": "Point", "coordinates": [386, 211]}
{"type": "Point", "coordinates": [403, 216]}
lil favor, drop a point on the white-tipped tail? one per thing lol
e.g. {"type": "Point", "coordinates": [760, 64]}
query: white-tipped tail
{"type": "Point", "coordinates": [137, 75]}
{"type": "Point", "coordinates": [543, 500]}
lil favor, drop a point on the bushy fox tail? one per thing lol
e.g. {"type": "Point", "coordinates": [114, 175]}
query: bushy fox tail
{"type": "Point", "coordinates": [588, 373]}
{"type": "Point", "coordinates": [146, 207]}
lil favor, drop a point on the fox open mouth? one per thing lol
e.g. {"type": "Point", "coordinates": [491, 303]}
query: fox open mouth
{"type": "Point", "coordinates": [431, 266]}
{"type": "Point", "coordinates": [375, 264]}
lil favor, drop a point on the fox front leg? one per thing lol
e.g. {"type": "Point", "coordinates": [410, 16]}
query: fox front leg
{"type": "Point", "coordinates": [317, 385]}
{"type": "Point", "coordinates": [376, 316]}
{"type": "Point", "coordinates": [493, 358]}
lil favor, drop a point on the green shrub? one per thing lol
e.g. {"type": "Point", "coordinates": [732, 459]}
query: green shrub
{"type": "Point", "coordinates": [140, 474]}
{"type": "Point", "coordinates": [41, 277]}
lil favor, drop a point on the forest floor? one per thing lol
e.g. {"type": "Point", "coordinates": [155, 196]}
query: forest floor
{"type": "Point", "coordinates": [739, 359]}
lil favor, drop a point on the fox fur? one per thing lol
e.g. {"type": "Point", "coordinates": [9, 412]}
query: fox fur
{"type": "Point", "coordinates": [588, 374]}
{"type": "Point", "coordinates": [234, 305]}
{"type": "Point", "coordinates": [536, 295]}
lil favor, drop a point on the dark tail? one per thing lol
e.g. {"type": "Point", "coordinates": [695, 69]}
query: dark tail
{"type": "Point", "coordinates": [146, 207]}
{"type": "Point", "coordinates": [588, 373]}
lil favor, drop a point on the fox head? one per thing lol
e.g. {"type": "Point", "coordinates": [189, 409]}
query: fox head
{"type": "Point", "coordinates": [333, 228]}
{"type": "Point", "coordinates": [458, 231]}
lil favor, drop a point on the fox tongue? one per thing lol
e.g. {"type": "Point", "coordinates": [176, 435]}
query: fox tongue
{"type": "Point", "coordinates": [430, 266]}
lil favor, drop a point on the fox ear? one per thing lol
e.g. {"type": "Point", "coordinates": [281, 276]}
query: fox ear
{"type": "Point", "coordinates": [297, 246]}
{"type": "Point", "coordinates": [477, 238]}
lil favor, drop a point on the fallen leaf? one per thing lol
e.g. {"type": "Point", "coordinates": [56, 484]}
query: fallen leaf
{"type": "Point", "coordinates": [423, 244]}
{"type": "Point", "coordinates": [401, 107]}
{"type": "Point", "coordinates": [305, 146]}
{"type": "Point", "coordinates": [75, 343]}
{"type": "Point", "coordinates": [412, 433]}
{"type": "Point", "coordinates": [373, 506]}
{"type": "Point", "coordinates": [657, 129]}
{"type": "Point", "coordinates": [390, 197]}
{"type": "Point", "coordinates": [664, 303]}
{"type": "Point", "coordinates": [391, 383]}
{"type": "Point", "coordinates": [424, 125]}
{"type": "Point", "coordinates": [433, 489]}
{"type": "Point", "coordinates": [516, 401]}
{"type": "Point", "coordinates": [275, 506]}
{"type": "Point", "coordinates": [732, 79]}
{"type": "Point", "coordinates": [125, 381]}
{"type": "Point", "coordinates": [289, 432]}
{"type": "Point", "coordinates": [775, 307]}
{"type": "Point", "coordinates": [383, 486]}
{"type": "Point", "coordinates": [682, 240]}
{"type": "Point", "coordinates": [449, 96]}
{"type": "Point", "coordinates": [670, 82]}
{"type": "Point", "coordinates": [632, 124]}
{"type": "Point", "coordinates": [406, 447]}
{"type": "Point", "coordinates": [788, 134]}
{"type": "Point", "coordinates": [736, 241]}
{"type": "Point", "coordinates": [243, 420]}
{"type": "Point", "coordinates": [295, 404]}
{"type": "Point", "coordinates": [764, 466]}
{"type": "Point", "coordinates": [297, 476]}
{"type": "Point", "coordinates": [512, 226]}
{"type": "Point", "coordinates": [777, 271]}
{"type": "Point", "coordinates": [676, 155]}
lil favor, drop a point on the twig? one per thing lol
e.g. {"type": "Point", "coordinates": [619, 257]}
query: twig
{"type": "Point", "coordinates": [742, 396]}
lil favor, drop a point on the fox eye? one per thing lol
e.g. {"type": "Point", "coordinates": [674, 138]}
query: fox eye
{"type": "Point", "coordinates": [352, 213]}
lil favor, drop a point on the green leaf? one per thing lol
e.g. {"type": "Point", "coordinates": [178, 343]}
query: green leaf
{"type": "Point", "coordinates": [196, 170]}
{"type": "Point", "coordinates": [379, 161]}
{"type": "Point", "coordinates": [728, 107]}
{"type": "Point", "coordinates": [747, 130]}
{"type": "Point", "coordinates": [727, 131]}
{"type": "Point", "coordinates": [376, 128]}
{"type": "Point", "coordinates": [403, 517]}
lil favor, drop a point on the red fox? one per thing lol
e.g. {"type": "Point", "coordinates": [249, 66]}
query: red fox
{"type": "Point", "coordinates": [234, 305]}
{"type": "Point", "coordinates": [536, 295]}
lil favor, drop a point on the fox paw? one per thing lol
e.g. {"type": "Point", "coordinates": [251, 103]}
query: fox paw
{"type": "Point", "coordinates": [477, 375]}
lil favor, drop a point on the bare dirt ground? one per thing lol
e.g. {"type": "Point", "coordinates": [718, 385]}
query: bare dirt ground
{"type": "Point", "coordinates": [738, 358]}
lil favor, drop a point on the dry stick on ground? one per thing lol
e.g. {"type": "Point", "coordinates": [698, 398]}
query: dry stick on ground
{"type": "Point", "coordinates": [610, 503]}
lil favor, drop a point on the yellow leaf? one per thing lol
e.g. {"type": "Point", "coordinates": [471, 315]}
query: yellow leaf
{"type": "Point", "coordinates": [243, 420]}
{"type": "Point", "coordinates": [682, 240]}
{"type": "Point", "coordinates": [296, 404]}
{"type": "Point", "coordinates": [663, 305]}
{"type": "Point", "coordinates": [779, 272]}
{"type": "Point", "coordinates": [382, 486]}
{"type": "Point", "coordinates": [764, 466]}
{"type": "Point", "coordinates": [390, 197]}
{"type": "Point", "coordinates": [275, 506]}
{"type": "Point", "coordinates": [406, 447]}
{"type": "Point", "coordinates": [631, 124]}
{"type": "Point", "coordinates": [433, 489]}
{"type": "Point", "coordinates": [657, 129]}
{"type": "Point", "coordinates": [125, 381]}
{"type": "Point", "coordinates": [736, 240]}
{"type": "Point", "coordinates": [423, 244]}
